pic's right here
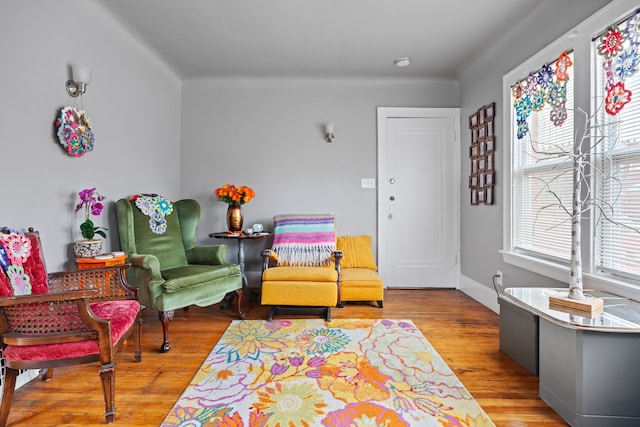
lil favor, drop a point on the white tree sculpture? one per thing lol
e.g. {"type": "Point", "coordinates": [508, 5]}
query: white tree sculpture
{"type": "Point", "coordinates": [583, 198]}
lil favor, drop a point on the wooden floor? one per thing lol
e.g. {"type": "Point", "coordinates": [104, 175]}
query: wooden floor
{"type": "Point", "coordinates": [463, 332]}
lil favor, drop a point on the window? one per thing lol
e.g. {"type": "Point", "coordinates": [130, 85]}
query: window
{"type": "Point", "coordinates": [542, 127]}
{"type": "Point", "coordinates": [602, 78]}
{"type": "Point", "coordinates": [617, 86]}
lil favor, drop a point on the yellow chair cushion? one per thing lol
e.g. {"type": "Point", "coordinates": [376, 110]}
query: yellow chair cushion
{"type": "Point", "coordinates": [315, 274]}
{"type": "Point", "coordinates": [356, 252]}
{"type": "Point", "coordinates": [299, 293]}
{"type": "Point", "coordinates": [360, 284]}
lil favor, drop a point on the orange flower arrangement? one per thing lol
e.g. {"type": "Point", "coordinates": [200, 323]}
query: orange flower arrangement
{"type": "Point", "coordinates": [235, 195]}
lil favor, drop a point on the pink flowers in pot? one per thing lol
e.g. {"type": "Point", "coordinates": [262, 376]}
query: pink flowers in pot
{"type": "Point", "coordinates": [90, 200]}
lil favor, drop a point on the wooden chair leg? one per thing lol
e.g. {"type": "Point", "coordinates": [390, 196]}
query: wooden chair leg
{"type": "Point", "coordinates": [9, 388]}
{"type": "Point", "coordinates": [165, 318]}
{"type": "Point", "coordinates": [108, 378]}
{"type": "Point", "coordinates": [137, 339]}
{"type": "Point", "coordinates": [241, 314]}
{"type": "Point", "coordinates": [47, 374]}
{"type": "Point", "coordinates": [227, 300]}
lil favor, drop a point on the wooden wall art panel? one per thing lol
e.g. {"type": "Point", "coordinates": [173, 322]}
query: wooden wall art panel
{"type": "Point", "coordinates": [483, 144]}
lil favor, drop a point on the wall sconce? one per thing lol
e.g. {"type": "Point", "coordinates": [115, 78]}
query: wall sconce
{"type": "Point", "coordinates": [328, 132]}
{"type": "Point", "coordinates": [80, 78]}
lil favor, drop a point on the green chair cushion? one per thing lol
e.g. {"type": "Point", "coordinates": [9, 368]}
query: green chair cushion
{"type": "Point", "coordinates": [189, 275]}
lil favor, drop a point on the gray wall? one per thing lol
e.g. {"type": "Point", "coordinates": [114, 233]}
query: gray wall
{"type": "Point", "coordinates": [481, 83]}
{"type": "Point", "coordinates": [133, 102]}
{"type": "Point", "coordinates": [184, 139]}
{"type": "Point", "coordinates": [268, 134]}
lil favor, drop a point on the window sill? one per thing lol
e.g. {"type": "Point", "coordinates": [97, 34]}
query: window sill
{"type": "Point", "coordinates": [560, 272]}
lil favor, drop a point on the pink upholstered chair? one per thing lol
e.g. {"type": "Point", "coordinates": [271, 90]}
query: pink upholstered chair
{"type": "Point", "coordinates": [59, 319]}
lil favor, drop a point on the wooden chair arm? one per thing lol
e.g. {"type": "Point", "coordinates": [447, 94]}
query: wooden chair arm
{"type": "Point", "coordinates": [268, 256]}
{"type": "Point", "coordinates": [51, 318]}
{"type": "Point", "coordinates": [50, 297]}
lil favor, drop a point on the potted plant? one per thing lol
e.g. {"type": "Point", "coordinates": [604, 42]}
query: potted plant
{"type": "Point", "coordinates": [90, 201]}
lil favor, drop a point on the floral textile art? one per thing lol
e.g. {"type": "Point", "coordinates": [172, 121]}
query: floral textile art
{"type": "Point", "coordinates": [619, 51]}
{"type": "Point", "coordinates": [15, 250]}
{"type": "Point", "coordinates": [156, 208]}
{"type": "Point", "coordinates": [315, 373]}
{"type": "Point", "coordinates": [546, 86]}
{"type": "Point", "coordinates": [73, 129]}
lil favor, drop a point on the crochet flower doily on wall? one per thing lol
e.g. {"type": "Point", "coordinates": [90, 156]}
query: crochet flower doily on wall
{"type": "Point", "coordinates": [73, 128]}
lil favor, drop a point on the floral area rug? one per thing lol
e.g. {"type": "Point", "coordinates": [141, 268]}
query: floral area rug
{"type": "Point", "coordinates": [290, 373]}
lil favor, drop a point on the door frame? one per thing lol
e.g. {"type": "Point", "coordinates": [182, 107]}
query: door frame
{"type": "Point", "coordinates": [384, 113]}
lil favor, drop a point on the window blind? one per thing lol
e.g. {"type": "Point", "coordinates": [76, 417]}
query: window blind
{"type": "Point", "coordinates": [617, 246]}
{"type": "Point", "coordinates": [542, 179]}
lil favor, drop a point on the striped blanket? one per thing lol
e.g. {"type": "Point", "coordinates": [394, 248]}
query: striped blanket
{"type": "Point", "coordinates": [306, 240]}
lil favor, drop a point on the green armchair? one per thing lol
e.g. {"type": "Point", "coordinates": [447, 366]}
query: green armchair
{"type": "Point", "coordinates": [167, 266]}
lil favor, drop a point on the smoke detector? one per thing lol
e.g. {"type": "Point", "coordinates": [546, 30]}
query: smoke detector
{"type": "Point", "coordinates": [402, 62]}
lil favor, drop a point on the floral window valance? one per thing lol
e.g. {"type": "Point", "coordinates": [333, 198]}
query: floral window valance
{"type": "Point", "coordinates": [618, 47]}
{"type": "Point", "coordinates": [545, 86]}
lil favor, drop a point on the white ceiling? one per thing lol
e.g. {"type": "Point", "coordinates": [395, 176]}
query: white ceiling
{"type": "Point", "coordinates": [318, 38]}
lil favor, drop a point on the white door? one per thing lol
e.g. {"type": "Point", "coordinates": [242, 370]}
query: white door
{"type": "Point", "coordinates": [418, 194]}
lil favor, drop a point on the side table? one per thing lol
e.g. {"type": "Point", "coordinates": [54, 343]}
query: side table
{"type": "Point", "coordinates": [241, 259]}
{"type": "Point", "coordinates": [100, 261]}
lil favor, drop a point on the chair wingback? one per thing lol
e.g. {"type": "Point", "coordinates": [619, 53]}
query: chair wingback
{"type": "Point", "coordinates": [136, 235]}
{"type": "Point", "coordinates": [188, 211]}
{"type": "Point", "coordinates": [304, 239]}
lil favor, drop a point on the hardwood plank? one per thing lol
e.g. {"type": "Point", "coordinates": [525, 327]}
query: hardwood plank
{"type": "Point", "coordinates": [464, 333]}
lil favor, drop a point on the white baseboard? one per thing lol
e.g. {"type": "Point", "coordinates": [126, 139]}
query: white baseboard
{"type": "Point", "coordinates": [23, 378]}
{"type": "Point", "coordinates": [479, 292]}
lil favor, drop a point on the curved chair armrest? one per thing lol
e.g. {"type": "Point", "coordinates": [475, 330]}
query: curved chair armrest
{"type": "Point", "coordinates": [145, 275]}
{"type": "Point", "coordinates": [147, 262]}
{"type": "Point", "coordinates": [37, 319]}
{"type": "Point", "coordinates": [42, 314]}
{"type": "Point", "coordinates": [110, 282]}
{"type": "Point", "coordinates": [268, 256]}
{"type": "Point", "coordinates": [207, 255]}
{"type": "Point", "coordinates": [48, 297]}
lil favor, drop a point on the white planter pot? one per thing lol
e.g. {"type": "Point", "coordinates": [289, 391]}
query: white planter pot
{"type": "Point", "coordinates": [87, 248]}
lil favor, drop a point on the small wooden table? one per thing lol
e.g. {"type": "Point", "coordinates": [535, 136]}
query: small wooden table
{"type": "Point", "coordinates": [241, 238]}
{"type": "Point", "coordinates": [98, 262]}
{"type": "Point", "coordinates": [101, 261]}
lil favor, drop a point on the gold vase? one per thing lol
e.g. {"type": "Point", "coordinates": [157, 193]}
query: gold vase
{"type": "Point", "coordinates": [234, 218]}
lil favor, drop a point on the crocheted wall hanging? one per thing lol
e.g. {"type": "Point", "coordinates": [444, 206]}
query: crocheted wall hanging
{"type": "Point", "coordinates": [15, 250]}
{"type": "Point", "coordinates": [546, 86]}
{"type": "Point", "coordinates": [156, 208]}
{"type": "Point", "coordinates": [73, 129]}
{"type": "Point", "coordinates": [619, 51]}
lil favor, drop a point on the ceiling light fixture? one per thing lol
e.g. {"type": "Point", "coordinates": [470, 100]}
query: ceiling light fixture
{"type": "Point", "coordinates": [402, 62]}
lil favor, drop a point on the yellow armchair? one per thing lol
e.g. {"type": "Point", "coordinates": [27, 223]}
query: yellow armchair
{"type": "Point", "coordinates": [358, 272]}
{"type": "Point", "coordinates": [299, 274]}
